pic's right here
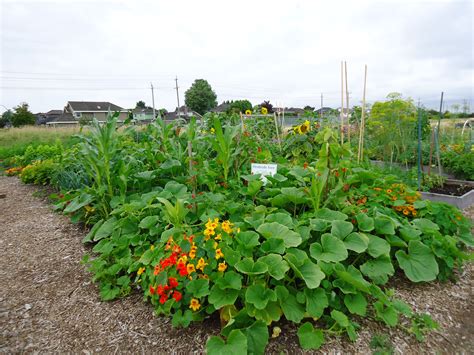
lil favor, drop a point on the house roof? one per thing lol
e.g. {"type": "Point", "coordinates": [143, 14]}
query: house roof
{"type": "Point", "coordinates": [223, 107]}
{"type": "Point", "coordinates": [54, 112]}
{"type": "Point", "coordinates": [90, 106]}
{"type": "Point", "coordinates": [64, 118]}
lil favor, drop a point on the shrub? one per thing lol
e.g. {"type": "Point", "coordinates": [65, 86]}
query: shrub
{"type": "Point", "coordinates": [39, 172]}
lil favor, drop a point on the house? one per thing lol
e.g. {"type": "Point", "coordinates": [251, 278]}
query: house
{"type": "Point", "coordinates": [223, 107]}
{"type": "Point", "coordinates": [81, 111]}
{"type": "Point", "coordinates": [323, 111]}
{"type": "Point", "coordinates": [182, 112]}
{"type": "Point", "coordinates": [144, 115]}
{"type": "Point", "coordinates": [43, 118]}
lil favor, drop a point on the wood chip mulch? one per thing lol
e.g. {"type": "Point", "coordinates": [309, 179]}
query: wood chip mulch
{"type": "Point", "coordinates": [49, 304]}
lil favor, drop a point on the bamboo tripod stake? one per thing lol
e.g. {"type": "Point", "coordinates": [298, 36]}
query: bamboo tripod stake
{"type": "Point", "coordinates": [360, 153]}
{"type": "Point", "coordinates": [347, 106]}
{"type": "Point", "coordinates": [342, 102]}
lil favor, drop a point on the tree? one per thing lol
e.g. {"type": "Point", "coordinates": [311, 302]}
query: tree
{"type": "Point", "coordinates": [140, 104]}
{"type": "Point", "coordinates": [6, 119]}
{"type": "Point", "coordinates": [200, 97]}
{"type": "Point", "coordinates": [23, 116]}
{"type": "Point", "coordinates": [308, 108]}
{"type": "Point", "coordinates": [240, 106]}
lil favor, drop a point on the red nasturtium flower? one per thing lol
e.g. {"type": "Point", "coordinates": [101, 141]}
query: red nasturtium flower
{"type": "Point", "coordinates": [173, 282]}
{"type": "Point", "coordinates": [177, 296]}
{"type": "Point", "coordinates": [163, 298]}
{"type": "Point", "coordinates": [152, 290]}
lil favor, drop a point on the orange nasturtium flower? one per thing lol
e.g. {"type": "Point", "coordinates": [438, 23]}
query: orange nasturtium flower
{"type": "Point", "coordinates": [219, 254]}
{"type": "Point", "coordinates": [201, 264]}
{"type": "Point", "coordinates": [226, 227]}
{"type": "Point", "coordinates": [222, 266]}
{"type": "Point", "coordinates": [190, 268]}
{"type": "Point", "coordinates": [194, 305]}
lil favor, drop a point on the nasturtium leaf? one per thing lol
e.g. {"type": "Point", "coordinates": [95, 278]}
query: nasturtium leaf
{"type": "Point", "coordinates": [273, 245]}
{"type": "Point", "coordinates": [198, 288]}
{"type": "Point", "coordinates": [357, 242]}
{"type": "Point", "coordinates": [279, 231]}
{"type": "Point", "coordinates": [419, 264]}
{"type": "Point", "coordinates": [271, 313]}
{"type": "Point", "coordinates": [420, 204]}
{"type": "Point", "coordinates": [230, 280]}
{"type": "Point", "coordinates": [399, 203]}
{"type": "Point", "coordinates": [387, 313]}
{"type": "Point", "coordinates": [219, 297]}
{"type": "Point", "coordinates": [377, 246]}
{"type": "Point", "coordinates": [147, 257]}
{"type": "Point", "coordinates": [148, 222]}
{"type": "Point", "coordinates": [384, 225]}
{"type": "Point", "coordinates": [181, 319]}
{"type": "Point", "coordinates": [309, 337]}
{"type": "Point", "coordinates": [395, 241]}
{"type": "Point", "coordinates": [257, 338]}
{"type": "Point", "coordinates": [304, 268]}
{"type": "Point", "coordinates": [292, 310]}
{"type": "Point", "coordinates": [340, 318]}
{"type": "Point", "coordinates": [316, 302]}
{"type": "Point", "coordinates": [236, 344]}
{"type": "Point", "coordinates": [331, 249]}
{"type": "Point", "coordinates": [282, 218]}
{"type": "Point", "coordinates": [330, 215]}
{"type": "Point", "coordinates": [365, 223]}
{"type": "Point", "coordinates": [259, 296]}
{"type": "Point", "coordinates": [341, 229]}
{"type": "Point", "coordinates": [356, 303]}
{"type": "Point", "coordinates": [249, 267]}
{"type": "Point", "coordinates": [105, 229]}
{"type": "Point", "coordinates": [108, 293]}
{"type": "Point", "coordinates": [277, 267]}
{"type": "Point", "coordinates": [425, 225]}
{"type": "Point", "coordinates": [319, 225]}
{"type": "Point", "coordinates": [378, 269]}
{"type": "Point", "coordinates": [248, 239]}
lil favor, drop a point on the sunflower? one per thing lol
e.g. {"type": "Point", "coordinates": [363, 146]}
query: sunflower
{"type": "Point", "coordinates": [264, 111]}
{"type": "Point", "coordinates": [248, 112]}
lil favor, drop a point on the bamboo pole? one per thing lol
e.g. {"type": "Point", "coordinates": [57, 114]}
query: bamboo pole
{"type": "Point", "coordinates": [276, 129]}
{"type": "Point", "coordinates": [347, 106]}
{"type": "Point", "coordinates": [342, 102]}
{"type": "Point", "coordinates": [360, 154]}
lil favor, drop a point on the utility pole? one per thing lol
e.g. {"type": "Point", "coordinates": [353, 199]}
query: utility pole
{"type": "Point", "coordinates": [177, 96]}
{"type": "Point", "coordinates": [153, 100]}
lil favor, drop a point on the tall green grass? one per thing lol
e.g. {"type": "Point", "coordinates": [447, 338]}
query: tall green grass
{"type": "Point", "coordinates": [14, 141]}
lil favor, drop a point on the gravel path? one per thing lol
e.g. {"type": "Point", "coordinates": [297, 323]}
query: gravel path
{"type": "Point", "coordinates": [48, 303]}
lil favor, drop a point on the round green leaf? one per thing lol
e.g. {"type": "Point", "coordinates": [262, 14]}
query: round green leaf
{"type": "Point", "coordinates": [357, 242]}
{"type": "Point", "coordinates": [249, 267]}
{"type": "Point", "coordinates": [259, 296]}
{"type": "Point", "coordinates": [331, 249]}
{"type": "Point", "coordinates": [236, 344]}
{"type": "Point", "coordinates": [341, 229]}
{"type": "Point", "coordinates": [419, 264]}
{"type": "Point", "coordinates": [279, 231]}
{"type": "Point", "coordinates": [309, 337]}
{"type": "Point", "coordinates": [277, 267]}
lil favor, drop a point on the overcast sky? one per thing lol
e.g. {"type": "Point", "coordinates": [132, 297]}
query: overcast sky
{"type": "Point", "coordinates": [288, 52]}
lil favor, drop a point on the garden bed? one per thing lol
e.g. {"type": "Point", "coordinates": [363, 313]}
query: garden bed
{"type": "Point", "coordinates": [50, 305]}
{"type": "Point", "coordinates": [455, 192]}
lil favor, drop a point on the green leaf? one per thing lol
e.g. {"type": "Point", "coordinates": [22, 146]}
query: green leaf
{"type": "Point", "coordinates": [377, 246]}
{"type": "Point", "coordinates": [254, 187]}
{"type": "Point", "coordinates": [259, 296]}
{"type": "Point", "coordinates": [357, 242]}
{"type": "Point", "coordinates": [330, 215]}
{"type": "Point", "coordinates": [282, 218]}
{"type": "Point", "coordinates": [365, 223]}
{"type": "Point", "coordinates": [148, 222]}
{"type": "Point", "coordinates": [378, 269]}
{"type": "Point", "coordinates": [89, 237]}
{"type": "Point", "coordinates": [306, 270]}
{"type": "Point", "coordinates": [273, 245]}
{"type": "Point", "coordinates": [271, 313]}
{"type": "Point", "coordinates": [257, 338]}
{"type": "Point", "coordinates": [249, 239]}
{"type": "Point", "coordinates": [356, 303]}
{"type": "Point", "coordinates": [236, 344]}
{"type": "Point", "coordinates": [292, 310]}
{"type": "Point", "coordinates": [219, 297]}
{"type": "Point", "coordinates": [341, 229]}
{"type": "Point", "coordinates": [279, 231]}
{"type": "Point", "coordinates": [230, 280]}
{"type": "Point", "coordinates": [340, 318]}
{"type": "Point", "coordinates": [309, 337]}
{"type": "Point", "coordinates": [108, 293]}
{"type": "Point", "coordinates": [319, 225]}
{"type": "Point", "coordinates": [387, 313]}
{"type": "Point", "coordinates": [409, 233]}
{"type": "Point", "coordinates": [198, 288]}
{"type": "Point", "coordinates": [105, 229]}
{"type": "Point", "coordinates": [331, 249]}
{"type": "Point", "coordinates": [419, 264]}
{"type": "Point", "coordinates": [78, 202]}
{"type": "Point", "coordinates": [384, 225]}
{"type": "Point", "coordinates": [181, 319]}
{"type": "Point", "coordinates": [277, 267]}
{"type": "Point", "coordinates": [147, 257]}
{"type": "Point", "coordinates": [316, 302]}
{"type": "Point", "coordinates": [425, 225]}
{"type": "Point", "coordinates": [249, 267]}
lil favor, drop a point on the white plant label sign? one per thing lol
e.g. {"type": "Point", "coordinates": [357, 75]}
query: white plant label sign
{"type": "Point", "coordinates": [263, 170]}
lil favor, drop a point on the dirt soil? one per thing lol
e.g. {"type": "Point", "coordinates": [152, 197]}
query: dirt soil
{"type": "Point", "coordinates": [49, 304]}
{"type": "Point", "coordinates": [451, 189]}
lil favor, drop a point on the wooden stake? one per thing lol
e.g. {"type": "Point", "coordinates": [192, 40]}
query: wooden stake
{"type": "Point", "coordinates": [360, 154]}
{"type": "Point", "coordinates": [347, 106]}
{"type": "Point", "coordinates": [342, 102]}
{"type": "Point", "coordinates": [276, 129]}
